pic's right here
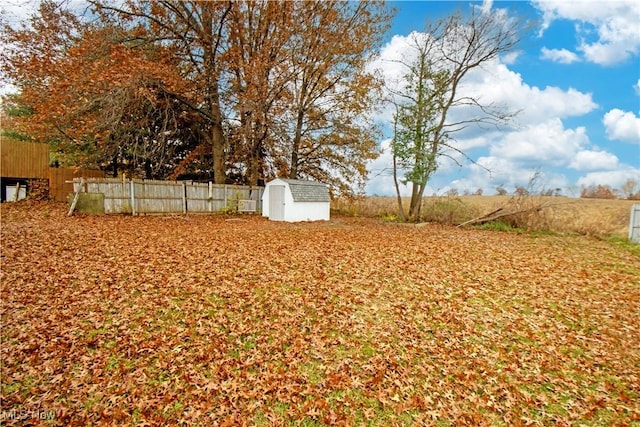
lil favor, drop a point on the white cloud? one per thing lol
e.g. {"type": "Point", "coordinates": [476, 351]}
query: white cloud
{"type": "Point", "coordinates": [7, 89]}
{"type": "Point", "coordinates": [509, 174]}
{"type": "Point", "coordinates": [19, 12]}
{"type": "Point", "coordinates": [614, 179]}
{"type": "Point", "coordinates": [622, 126]}
{"type": "Point", "coordinates": [562, 56]}
{"type": "Point", "coordinates": [636, 87]}
{"type": "Point", "coordinates": [389, 65]}
{"type": "Point", "coordinates": [16, 12]}
{"type": "Point", "coordinates": [591, 160]}
{"type": "Point", "coordinates": [511, 57]}
{"type": "Point", "coordinates": [496, 170]}
{"type": "Point", "coordinates": [496, 84]}
{"type": "Point", "coordinates": [614, 23]}
{"type": "Point", "coordinates": [380, 180]}
{"type": "Point", "coordinates": [486, 6]}
{"type": "Point", "coordinates": [547, 143]}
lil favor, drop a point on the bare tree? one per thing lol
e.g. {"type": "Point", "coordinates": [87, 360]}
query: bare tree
{"type": "Point", "coordinates": [628, 188]}
{"type": "Point", "coordinates": [443, 55]}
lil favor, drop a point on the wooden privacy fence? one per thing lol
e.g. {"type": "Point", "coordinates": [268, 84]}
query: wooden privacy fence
{"type": "Point", "coordinates": [140, 197]}
{"type": "Point", "coordinates": [60, 181]}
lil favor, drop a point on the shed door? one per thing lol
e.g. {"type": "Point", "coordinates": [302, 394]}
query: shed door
{"type": "Point", "coordinates": [276, 202]}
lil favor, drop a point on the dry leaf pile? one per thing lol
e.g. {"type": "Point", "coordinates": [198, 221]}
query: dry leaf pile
{"type": "Point", "coordinates": [211, 320]}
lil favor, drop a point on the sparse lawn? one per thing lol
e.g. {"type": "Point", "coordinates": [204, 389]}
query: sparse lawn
{"type": "Point", "coordinates": [240, 321]}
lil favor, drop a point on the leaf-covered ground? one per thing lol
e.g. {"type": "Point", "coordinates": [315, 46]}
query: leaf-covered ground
{"type": "Point", "coordinates": [241, 321]}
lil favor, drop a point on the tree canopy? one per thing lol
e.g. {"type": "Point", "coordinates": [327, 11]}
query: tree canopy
{"type": "Point", "coordinates": [236, 91]}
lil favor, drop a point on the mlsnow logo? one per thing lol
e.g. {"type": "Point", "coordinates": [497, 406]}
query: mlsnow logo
{"type": "Point", "coordinates": [26, 414]}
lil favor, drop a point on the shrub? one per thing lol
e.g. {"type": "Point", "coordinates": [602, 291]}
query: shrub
{"type": "Point", "coordinates": [628, 188]}
{"type": "Point", "coordinates": [448, 210]}
{"type": "Point", "coordinates": [498, 226]}
{"type": "Point", "coordinates": [529, 213]}
{"type": "Point", "coordinates": [365, 206]}
{"type": "Point", "coordinates": [521, 191]}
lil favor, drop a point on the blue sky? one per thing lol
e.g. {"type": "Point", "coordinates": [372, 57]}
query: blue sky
{"type": "Point", "coordinates": [576, 78]}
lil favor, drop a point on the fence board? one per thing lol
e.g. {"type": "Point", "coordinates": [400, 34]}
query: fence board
{"type": "Point", "coordinates": [171, 197]}
{"type": "Point", "coordinates": [198, 199]}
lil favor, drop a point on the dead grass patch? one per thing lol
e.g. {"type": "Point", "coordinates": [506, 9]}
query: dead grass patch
{"type": "Point", "coordinates": [590, 217]}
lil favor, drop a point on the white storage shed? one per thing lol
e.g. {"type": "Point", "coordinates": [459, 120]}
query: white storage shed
{"type": "Point", "coordinates": [294, 200]}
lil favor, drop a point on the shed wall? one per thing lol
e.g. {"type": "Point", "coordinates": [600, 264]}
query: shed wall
{"type": "Point", "coordinates": [306, 211]}
{"type": "Point", "coordinates": [296, 211]}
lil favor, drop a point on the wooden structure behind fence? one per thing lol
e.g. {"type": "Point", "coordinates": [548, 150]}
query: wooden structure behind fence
{"type": "Point", "coordinates": [28, 163]}
{"type": "Point", "coordinates": [140, 197]}
{"type": "Point", "coordinates": [21, 159]}
{"type": "Point", "coordinates": [60, 184]}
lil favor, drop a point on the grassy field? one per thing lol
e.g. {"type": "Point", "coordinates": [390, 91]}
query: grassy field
{"type": "Point", "coordinates": [591, 217]}
{"type": "Point", "coordinates": [235, 320]}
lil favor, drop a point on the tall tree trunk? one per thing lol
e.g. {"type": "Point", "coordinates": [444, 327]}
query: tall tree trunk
{"type": "Point", "coordinates": [210, 40]}
{"type": "Point", "coordinates": [295, 155]}
{"type": "Point", "coordinates": [218, 140]}
{"type": "Point", "coordinates": [218, 143]}
{"type": "Point", "coordinates": [254, 164]}
{"type": "Point", "coordinates": [414, 206]}
{"type": "Point", "coordinates": [403, 217]}
{"type": "Point", "coordinates": [114, 165]}
{"type": "Point", "coordinates": [416, 201]}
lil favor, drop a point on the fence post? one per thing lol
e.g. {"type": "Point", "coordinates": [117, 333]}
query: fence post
{"type": "Point", "coordinates": [634, 224]}
{"type": "Point", "coordinates": [133, 197]}
{"type": "Point", "coordinates": [75, 198]}
{"type": "Point", "coordinates": [17, 193]}
{"type": "Point", "coordinates": [184, 197]}
{"type": "Point", "coordinates": [210, 197]}
{"type": "Point", "coordinates": [225, 196]}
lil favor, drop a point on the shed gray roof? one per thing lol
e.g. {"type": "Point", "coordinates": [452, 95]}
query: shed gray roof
{"type": "Point", "coordinates": [308, 191]}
